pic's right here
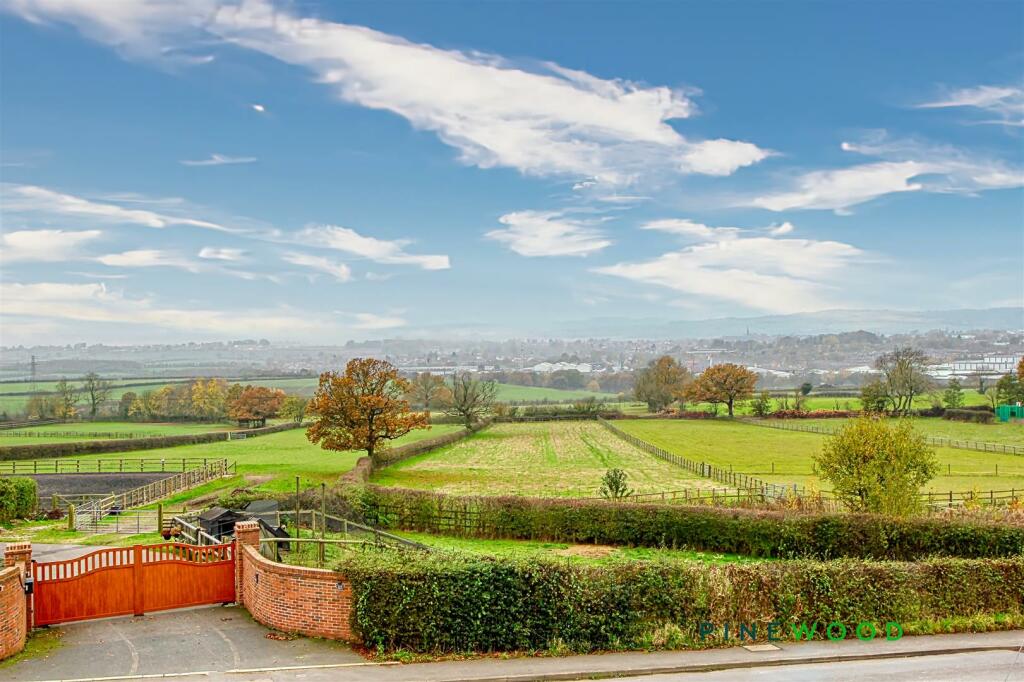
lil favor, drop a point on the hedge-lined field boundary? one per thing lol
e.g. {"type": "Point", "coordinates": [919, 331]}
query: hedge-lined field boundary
{"type": "Point", "coordinates": [738, 531]}
{"type": "Point", "coordinates": [456, 603]}
{"type": "Point", "coordinates": [365, 467]}
{"type": "Point", "coordinates": [86, 447]}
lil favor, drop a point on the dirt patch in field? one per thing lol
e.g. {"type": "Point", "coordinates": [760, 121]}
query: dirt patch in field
{"type": "Point", "coordinates": [257, 479]}
{"type": "Point", "coordinates": [587, 551]}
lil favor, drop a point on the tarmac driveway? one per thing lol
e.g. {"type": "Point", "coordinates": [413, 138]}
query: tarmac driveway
{"type": "Point", "coordinates": [205, 639]}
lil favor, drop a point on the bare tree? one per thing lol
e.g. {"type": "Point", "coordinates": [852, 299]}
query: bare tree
{"type": "Point", "coordinates": [426, 389]}
{"type": "Point", "coordinates": [470, 398]}
{"type": "Point", "coordinates": [903, 377]}
{"type": "Point", "coordinates": [66, 399]}
{"type": "Point", "coordinates": [96, 391]}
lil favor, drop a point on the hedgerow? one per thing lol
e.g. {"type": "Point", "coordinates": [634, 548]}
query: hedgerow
{"type": "Point", "coordinates": [740, 531]}
{"type": "Point", "coordinates": [975, 416]}
{"type": "Point", "coordinates": [17, 498]}
{"type": "Point", "coordinates": [459, 603]}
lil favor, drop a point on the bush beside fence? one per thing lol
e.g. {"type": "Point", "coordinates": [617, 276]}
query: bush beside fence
{"type": "Point", "coordinates": [85, 447]}
{"type": "Point", "coordinates": [17, 498]}
{"type": "Point", "coordinates": [740, 531]}
{"type": "Point", "coordinates": [451, 603]}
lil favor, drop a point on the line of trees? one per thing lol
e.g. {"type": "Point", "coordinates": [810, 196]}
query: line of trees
{"type": "Point", "coordinates": [665, 382]}
{"type": "Point", "coordinates": [208, 400]}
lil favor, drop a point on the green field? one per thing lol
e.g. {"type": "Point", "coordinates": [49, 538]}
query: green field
{"type": "Point", "coordinates": [1010, 433]}
{"type": "Point", "coordinates": [549, 459]}
{"type": "Point", "coordinates": [813, 402]}
{"type": "Point", "coordinates": [786, 456]}
{"type": "Point", "coordinates": [591, 554]}
{"type": "Point", "coordinates": [506, 392]}
{"type": "Point", "coordinates": [512, 393]}
{"type": "Point", "coordinates": [269, 463]}
{"type": "Point", "coordinates": [58, 433]}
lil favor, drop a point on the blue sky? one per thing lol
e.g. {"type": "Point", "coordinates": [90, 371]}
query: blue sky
{"type": "Point", "coordinates": [201, 169]}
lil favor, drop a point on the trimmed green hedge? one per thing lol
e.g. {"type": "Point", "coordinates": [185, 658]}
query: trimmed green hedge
{"type": "Point", "coordinates": [457, 603]}
{"type": "Point", "coordinates": [740, 531]}
{"type": "Point", "coordinates": [17, 497]}
{"type": "Point", "coordinates": [975, 416]}
{"type": "Point", "coordinates": [85, 447]}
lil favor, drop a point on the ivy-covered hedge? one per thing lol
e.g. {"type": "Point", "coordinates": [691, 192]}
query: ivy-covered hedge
{"type": "Point", "coordinates": [741, 531]}
{"type": "Point", "coordinates": [459, 603]}
{"type": "Point", "coordinates": [86, 447]}
{"type": "Point", "coordinates": [17, 497]}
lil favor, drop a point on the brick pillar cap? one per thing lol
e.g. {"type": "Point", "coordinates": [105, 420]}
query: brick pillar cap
{"type": "Point", "coordinates": [17, 547]}
{"type": "Point", "coordinates": [247, 525]}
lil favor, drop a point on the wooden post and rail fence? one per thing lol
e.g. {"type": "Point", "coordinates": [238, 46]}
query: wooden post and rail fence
{"type": "Point", "coordinates": [96, 514]}
{"type": "Point", "coordinates": [937, 441]}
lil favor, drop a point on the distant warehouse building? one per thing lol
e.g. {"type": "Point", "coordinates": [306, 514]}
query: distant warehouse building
{"type": "Point", "coordinates": [990, 367]}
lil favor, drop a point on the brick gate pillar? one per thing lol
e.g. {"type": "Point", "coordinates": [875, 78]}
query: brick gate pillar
{"type": "Point", "coordinates": [20, 554]}
{"type": "Point", "coordinates": [247, 534]}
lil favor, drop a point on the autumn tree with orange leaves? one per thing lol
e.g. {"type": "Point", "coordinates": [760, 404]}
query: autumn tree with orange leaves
{"type": "Point", "coordinates": [363, 408]}
{"type": "Point", "coordinates": [725, 383]}
{"type": "Point", "coordinates": [254, 404]}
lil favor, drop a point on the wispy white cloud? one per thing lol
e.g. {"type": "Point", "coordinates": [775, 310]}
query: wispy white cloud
{"type": "Point", "coordinates": [762, 273]}
{"type": "Point", "coordinates": [219, 160]}
{"type": "Point", "coordinates": [150, 258]}
{"type": "Point", "coordinates": [339, 271]}
{"type": "Point", "coordinates": [378, 250]}
{"type": "Point", "coordinates": [906, 166]}
{"type": "Point", "coordinates": [96, 303]}
{"type": "Point", "coordinates": [213, 253]}
{"type": "Point", "coordinates": [541, 118]}
{"type": "Point", "coordinates": [548, 233]}
{"type": "Point", "coordinates": [688, 228]}
{"type": "Point", "coordinates": [1006, 102]}
{"type": "Point", "coordinates": [48, 246]}
{"type": "Point", "coordinates": [845, 187]}
{"type": "Point", "coordinates": [34, 200]}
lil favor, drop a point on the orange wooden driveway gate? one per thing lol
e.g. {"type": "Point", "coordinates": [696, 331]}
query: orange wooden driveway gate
{"type": "Point", "coordinates": [132, 581]}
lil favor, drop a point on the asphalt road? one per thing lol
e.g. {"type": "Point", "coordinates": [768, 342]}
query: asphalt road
{"type": "Point", "coordinates": [987, 666]}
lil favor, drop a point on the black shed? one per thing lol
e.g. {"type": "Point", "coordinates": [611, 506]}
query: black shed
{"type": "Point", "coordinates": [218, 521]}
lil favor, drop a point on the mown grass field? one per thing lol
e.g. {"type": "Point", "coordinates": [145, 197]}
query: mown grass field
{"type": "Point", "coordinates": [58, 433]}
{"type": "Point", "coordinates": [755, 449]}
{"type": "Point", "coordinates": [549, 459]}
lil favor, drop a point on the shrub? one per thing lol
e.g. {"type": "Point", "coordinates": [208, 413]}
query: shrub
{"type": "Point", "coordinates": [877, 467]}
{"type": "Point", "coordinates": [17, 498]}
{"type": "Point", "coordinates": [740, 531]}
{"type": "Point", "coordinates": [965, 415]}
{"type": "Point", "coordinates": [457, 603]}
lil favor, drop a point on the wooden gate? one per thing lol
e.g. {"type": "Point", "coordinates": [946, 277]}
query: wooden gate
{"type": "Point", "coordinates": [132, 581]}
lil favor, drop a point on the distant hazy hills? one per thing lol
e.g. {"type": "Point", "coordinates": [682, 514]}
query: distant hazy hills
{"type": "Point", "coordinates": [823, 322]}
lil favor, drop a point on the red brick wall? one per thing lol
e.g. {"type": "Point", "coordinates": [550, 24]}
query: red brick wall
{"type": "Point", "coordinates": [12, 612]}
{"type": "Point", "coordinates": [307, 601]}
